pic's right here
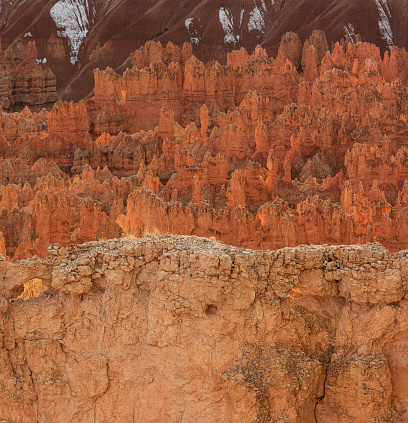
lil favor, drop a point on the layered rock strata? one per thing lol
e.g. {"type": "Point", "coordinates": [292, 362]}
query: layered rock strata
{"type": "Point", "coordinates": [24, 82]}
{"type": "Point", "coordinates": [182, 328]}
{"type": "Point", "coordinates": [74, 37]}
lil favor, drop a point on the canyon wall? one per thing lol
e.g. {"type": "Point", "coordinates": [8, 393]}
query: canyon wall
{"type": "Point", "coordinates": [174, 329]}
{"type": "Point", "coordinates": [255, 153]}
{"type": "Point", "coordinates": [74, 37]}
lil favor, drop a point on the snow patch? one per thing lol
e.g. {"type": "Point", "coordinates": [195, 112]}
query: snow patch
{"type": "Point", "coordinates": [188, 23]}
{"type": "Point", "coordinates": [256, 20]}
{"type": "Point", "coordinates": [41, 61]}
{"type": "Point", "coordinates": [28, 34]}
{"type": "Point", "coordinates": [241, 17]}
{"type": "Point", "coordinates": [349, 31]}
{"type": "Point", "coordinates": [71, 18]}
{"type": "Point", "coordinates": [227, 23]}
{"type": "Point", "coordinates": [194, 36]}
{"type": "Point", "coordinates": [384, 22]}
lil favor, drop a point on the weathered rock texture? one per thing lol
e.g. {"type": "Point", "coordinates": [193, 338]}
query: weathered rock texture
{"type": "Point", "coordinates": [178, 329]}
{"type": "Point", "coordinates": [24, 82]}
{"type": "Point", "coordinates": [259, 153]}
{"type": "Point", "coordinates": [76, 36]}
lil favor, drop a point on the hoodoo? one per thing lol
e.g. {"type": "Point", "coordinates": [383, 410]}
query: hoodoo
{"type": "Point", "coordinates": [203, 211]}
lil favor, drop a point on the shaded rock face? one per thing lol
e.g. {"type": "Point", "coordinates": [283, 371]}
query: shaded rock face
{"type": "Point", "coordinates": [32, 85]}
{"type": "Point", "coordinates": [170, 328]}
{"type": "Point", "coordinates": [24, 82]}
{"type": "Point", "coordinates": [315, 168]}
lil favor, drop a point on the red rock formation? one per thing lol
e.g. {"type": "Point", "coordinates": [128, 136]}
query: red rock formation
{"type": "Point", "coordinates": [108, 34]}
{"type": "Point", "coordinates": [334, 315]}
{"type": "Point", "coordinates": [311, 64]}
{"type": "Point", "coordinates": [31, 85]}
{"type": "Point", "coordinates": [236, 191]}
{"type": "Point", "coordinates": [394, 65]}
{"type": "Point", "coordinates": [67, 119]}
{"type": "Point", "coordinates": [252, 152]}
{"type": "Point", "coordinates": [260, 153]}
{"type": "Point", "coordinates": [291, 48]}
{"type": "Point", "coordinates": [183, 89]}
{"type": "Point", "coordinates": [319, 42]}
{"type": "Point", "coordinates": [154, 52]}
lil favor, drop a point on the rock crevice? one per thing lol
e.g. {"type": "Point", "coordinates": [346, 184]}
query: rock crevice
{"type": "Point", "coordinates": [172, 328]}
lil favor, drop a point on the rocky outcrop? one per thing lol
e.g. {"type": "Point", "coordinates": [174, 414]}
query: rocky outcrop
{"type": "Point", "coordinates": [73, 40]}
{"type": "Point", "coordinates": [24, 82]}
{"type": "Point", "coordinates": [32, 85]}
{"type": "Point", "coordinates": [41, 206]}
{"type": "Point", "coordinates": [291, 48]}
{"type": "Point", "coordinates": [184, 87]}
{"type": "Point", "coordinates": [252, 152]}
{"type": "Point", "coordinates": [154, 52]}
{"type": "Point", "coordinates": [165, 328]}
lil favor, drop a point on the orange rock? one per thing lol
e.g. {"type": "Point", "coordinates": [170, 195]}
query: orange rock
{"type": "Point", "coordinates": [311, 65]}
{"type": "Point", "coordinates": [31, 85]}
{"type": "Point", "coordinates": [236, 191]}
{"type": "Point", "coordinates": [291, 48]}
{"type": "Point", "coordinates": [319, 42]}
{"type": "Point", "coordinates": [346, 301]}
{"type": "Point", "coordinates": [246, 151]}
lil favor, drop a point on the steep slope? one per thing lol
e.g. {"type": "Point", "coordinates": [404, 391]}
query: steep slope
{"type": "Point", "coordinates": [183, 329]}
{"type": "Point", "coordinates": [76, 36]}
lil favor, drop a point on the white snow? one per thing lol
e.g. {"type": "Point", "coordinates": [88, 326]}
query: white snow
{"type": "Point", "coordinates": [41, 61]}
{"type": "Point", "coordinates": [256, 20]}
{"type": "Point", "coordinates": [28, 34]}
{"type": "Point", "coordinates": [384, 22]}
{"type": "Point", "coordinates": [349, 31]}
{"type": "Point", "coordinates": [227, 23]}
{"type": "Point", "coordinates": [188, 23]}
{"type": "Point", "coordinates": [71, 18]}
{"type": "Point", "coordinates": [241, 17]}
{"type": "Point", "coordinates": [194, 36]}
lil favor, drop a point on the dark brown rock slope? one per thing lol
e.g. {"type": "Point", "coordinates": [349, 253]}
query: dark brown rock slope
{"type": "Point", "coordinates": [77, 36]}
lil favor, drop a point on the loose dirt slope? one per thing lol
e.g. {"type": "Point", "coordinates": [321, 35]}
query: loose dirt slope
{"type": "Point", "coordinates": [76, 36]}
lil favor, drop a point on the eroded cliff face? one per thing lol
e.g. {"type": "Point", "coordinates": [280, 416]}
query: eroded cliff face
{"type": "Point", "coordinates": [256, 152]}
{"type": "Point", "coordinates": [23, 80]}
{"type": "Point", "coordinates": [182, 329]}
{"type": "Point", "coordinates": [74, 37]}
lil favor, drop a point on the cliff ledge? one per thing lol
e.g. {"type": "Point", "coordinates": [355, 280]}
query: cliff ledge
{"type": "Point", "coordinates": [183, 329]}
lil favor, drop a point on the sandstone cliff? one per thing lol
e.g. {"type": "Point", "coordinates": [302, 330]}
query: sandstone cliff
{"type": "Point", "coordinates": [32, 85]}
{"type": "Point", "coordinates": [23, 80]}
{"type": "Point", "coordinates": [262, 152]}
{"type": "Point", "coordinates": [185, 329]}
